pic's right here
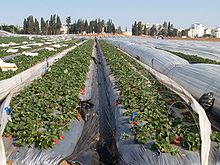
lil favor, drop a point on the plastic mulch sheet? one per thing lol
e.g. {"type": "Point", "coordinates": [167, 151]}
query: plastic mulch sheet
{"type": "Point", "coordinates": [94, 146]}
{"type": "Point", "coordinates": [100, 137]}
{"type": "Point", "coordinates": [203, 49]}
{"type": "Point", "coordinates": [130, 152]}
{"type": "Point", "coordinates": [196, 78]}
{"type": "Point", "coordinates": [30, 155]}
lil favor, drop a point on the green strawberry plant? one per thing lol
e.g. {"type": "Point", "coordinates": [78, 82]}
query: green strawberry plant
{"type": "Point", "coordinates": [3, 53]}
{"type": "Point", "coordinates": [216, 138]}
{"type": "Point", "coordinates": [141, 93]}
{"type": "Point", "coordinates": [192, 58]}
{"type": "Point", "coordinates": [6, 40]}
{"type": "Point", "coordinates": [24, 62]}
{"type": "Point", "coordinates": [42, 111]}
{"type": "Point", "coordinates": [17, 40]}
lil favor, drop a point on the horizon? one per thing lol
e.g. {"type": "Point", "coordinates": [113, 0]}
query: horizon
{"type": "Point", "coordinates": [151, 13]}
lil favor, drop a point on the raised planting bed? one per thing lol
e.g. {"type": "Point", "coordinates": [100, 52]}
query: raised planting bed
{"type": "Point", "coordinates": [142, 94]}
{"type": "Point", "coordinates": [3, 53]}
{"type": "Point", "coordinates": [7, 40]}
{"type": "Point", "coordinates": [193, 58]}
{"type": "Point", "coordinates": [30, 44]}
{"type": "Point", "coordinates": [42, 111]}
{"type": "Point", "coordinates": [24, 62]}
{"type": "Point", "coordinates": [13, 39]}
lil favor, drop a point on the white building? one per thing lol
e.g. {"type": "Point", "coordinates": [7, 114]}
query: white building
{"type": "Point", "coordinates": [191, 33]}
{"type": "Point", "coordinates": [216, 32]}
{"type": "Point", "coordinates": [64, 29]}
{"type": "Point", "coordinates": [199, 30]}
{"type": "Point", "coordinates": [179, 32]}
{"type": "Point", "coordinates": [196, 30]}
{"type": "Point", "coordinates": [208, 31]}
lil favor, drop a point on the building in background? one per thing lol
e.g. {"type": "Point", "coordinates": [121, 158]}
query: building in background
{"type": "Point", "coordinates": [64, 29]}
{"type": "Point", "coordinates": [216, 32]}
{"type": "Point", "coordinates": [180, 32]}
{"type": "Point", "coordinates": [208, 32]}
{"type": "Point", "coordinates": [190, 32]}
{"type": "Point", "coordinates": [199, 29]}
{"type": "Point", "coordinates": [196, 30]}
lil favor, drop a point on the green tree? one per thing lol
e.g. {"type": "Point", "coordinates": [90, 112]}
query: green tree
{"type": "Point", "coordinates": [43, 26]}
{"type": "Point", "coordinates": [30, 25]}
{"type": "Point", "coordinates": [165, 25]}
{"type": "Point", "coordinates": [113, 28]}
{"type": "Point", "coordinates": [126, 29]}
{"type": "Point", "coordinates": [169, 29]}
{"type": "Point", "coordinates": [11, 28]}
{"type": "Point", "coordinates": [91, 26]}
{"type": "Point", "coordinates": [145, 30]}
{"type": "Point", "coordinates": [86, 26]}
{"type": "Point", "coordinates": [174, 32]}
{"type": "Point", "coordinates": [25, 26]}
{"type": "Point", "coordinates": [109, 26]}
{"type": "Point", "coordinates": [96, 28]}
{"type": "Point", "coordinates": [139, 27]}
{"type": "Point", "coordinates": [135, 29]}
{"type": "Point", "coordinates": [73, 28]}
{"type": "Point", "coordinates": [58, 25]}
{"type": "Point", "coordinates": [47, 27]}
{"type": "Point", "coordinates": [50, 26]}
{"type": "Point", "coordinates": [99, 26]}
{"type": "Point", "coordinates": [54, 26]}
{"type": "Point", "coordinates": [119, 30]}
{"type": "Point", "coordinates": [103, 25]}
{"type": "Point", "coordinates": [153, 30]}
{"type": "Point", "coordinates": [68, 22]}
{"type": "Point", "coordinates": [79, 26]}
{"type": "Point", "coordinates": [36, 26]}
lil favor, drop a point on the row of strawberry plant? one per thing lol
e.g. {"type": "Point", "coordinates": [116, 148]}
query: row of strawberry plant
{"type": "Point", "coordinates": [43, 110]}
{"type": "Point", "coordinates": [193, 58]}
{"type": "Point", "coordinates": [188, 116]}
{"type": "Point", "coordinates": [18, 40]}
{"type": "Point", "coordinates": [3, 50]}
{"type": "Point", "coordinates": [140, 95]}
{"type": "Point", "coordinates": [24, 62]}
{"type": "Point", "coordinates": [3, 53]}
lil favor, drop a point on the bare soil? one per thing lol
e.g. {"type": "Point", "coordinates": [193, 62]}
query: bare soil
{"type": "Point", "coordinates": [195, 39]}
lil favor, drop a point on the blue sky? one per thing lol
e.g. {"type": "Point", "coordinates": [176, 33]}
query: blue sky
{"type": "Point", "coordinates": [182, 13]}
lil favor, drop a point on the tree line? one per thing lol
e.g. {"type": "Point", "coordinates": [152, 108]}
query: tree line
{"type": "Point", "coordinates": [166, 29]}
{"type": "Point", "coordinates": [10, 28]}
{"type": "Point", "coordinates": [93, 26]}
{"type": "Point", "coordinates": [52, 26]}
{"type": "Point", "coordinates": [46, 27]}
{"type": "Point", "coordinates": [138, 28]}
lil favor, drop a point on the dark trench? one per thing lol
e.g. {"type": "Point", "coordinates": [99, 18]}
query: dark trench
{"type": "Point", "coordinates": [96, 145]}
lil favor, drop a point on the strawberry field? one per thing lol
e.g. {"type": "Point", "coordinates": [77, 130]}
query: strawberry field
{"type": "Point", "coordinates": [156, 121]}
{"type": "Point", "coordinates": [14, 43]}
{"type": "Point", "coordinates": [43, 110]}
{"type": "Point", "coordinates": [193, 58]}
{"type": "Point", "coordinates": [24, 62]}
{"type": "Point", "coordinates": [21, 44]}
{"type": "Point", "coordinates": [152, 118]}
{"type": "Point", "coordinates": [17, 40]}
